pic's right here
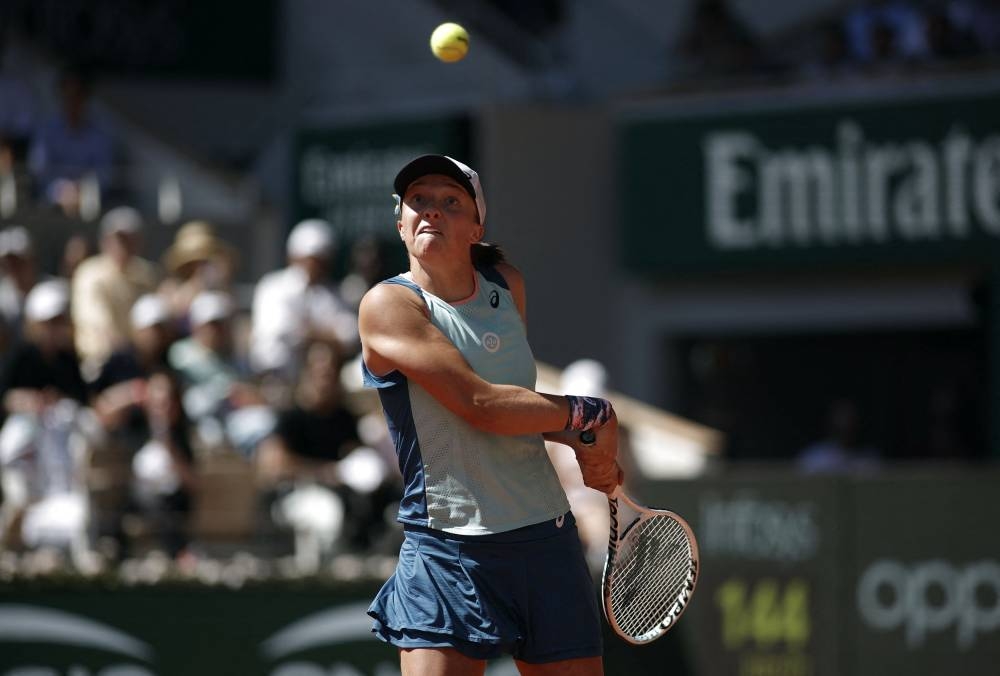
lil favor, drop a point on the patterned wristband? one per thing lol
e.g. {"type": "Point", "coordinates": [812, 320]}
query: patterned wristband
{"type": "Point", "coordinates": [586, 413]}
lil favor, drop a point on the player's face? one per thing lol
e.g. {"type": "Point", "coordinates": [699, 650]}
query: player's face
{"type": "Point", "coordinates": [438, 215]}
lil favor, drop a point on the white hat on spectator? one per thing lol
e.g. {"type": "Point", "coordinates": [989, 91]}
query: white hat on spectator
{"type": "Point", "coordinates": [47, 300]}
{"type": "Point", "coordinates": [210, 306]}
{"type": "Point", "coordinates": [15, 241]}
{"type": "Point", "coordinates": [585, 377]}
{"type": "Point", "coordinates": [312, 237]}
{"type": "Point", "coordinates": [149, 310]}
{"type": "Point", "coordinates": [125, 220]}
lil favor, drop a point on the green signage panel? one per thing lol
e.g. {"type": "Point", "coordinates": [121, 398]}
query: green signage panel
{"type": "Point", "coordinates": [769, 549]}
{"type": "Point", "coordinates": [344, 175]}
{"type": "Point", "coordinates": [186, 629]}
{"type": "Point", "coordinates": [48, 628]}
{"type": "Point", "coordinates": [924, 588]}
{"type": "Point", "coordinates": [891, 573]}
{"type": "Point", "coordinates": [861, 184]}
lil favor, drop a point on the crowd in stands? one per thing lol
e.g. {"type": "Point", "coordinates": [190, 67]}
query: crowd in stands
{"type": "Point", "coordinates": [123, 377]}
{"type": "Point", "coordinates": [65, 158]}
{"type": "Point", "coordinates": [863, 37]}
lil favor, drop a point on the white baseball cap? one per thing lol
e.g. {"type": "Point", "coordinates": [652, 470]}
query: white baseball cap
{"type": "Point", "coordinates": [15, 241]}
{"type": "Point", "coordinates": [464, 175]}
{"type": "Point", "coordinates": [47, 300]}
{"type": "Point", "coordinates": [149, 310]}
{"type": "Point", "coordinates": [125, 220]}
{"type": "Point", "coordinates": [312, 237]}
{"type": "Point", "coordinates": [210, 306]}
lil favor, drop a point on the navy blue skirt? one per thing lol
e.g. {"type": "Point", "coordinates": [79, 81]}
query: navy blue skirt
{"type": "Point", "coordinates": [526, 592]}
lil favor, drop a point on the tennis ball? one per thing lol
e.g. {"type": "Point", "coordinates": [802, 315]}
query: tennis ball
{"type": "Point", "coordinates": [450, 42]}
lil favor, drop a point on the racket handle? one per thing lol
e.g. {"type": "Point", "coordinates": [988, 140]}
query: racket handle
{"type": "Point", "coordinates": [588, 438]}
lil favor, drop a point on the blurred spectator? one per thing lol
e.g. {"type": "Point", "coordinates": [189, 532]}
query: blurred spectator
{"type": "Point", "coordinates": [196, 261]}
{"type": "Point", "coordinates": [368, 267]}
{"type": "Point", "coordinates": [880, 31]}
{"type": "Point", "coordinates": [120, 386]}
{"type": "Point", "coordinates": [316, 442]}
{"type": "Point", "coordinates": [296, 305]}
{"type": "Point", "coordinates": [952, 432]}
{"type": "Point", "coordinates": [106, 286]}
{"type": "Point", "coordinates": [119, 397]}
{"type": "Point", "coordinates": [843, 449]}
{"type": "Point", "coordinates": [717, 43]}
{"type": "Point", "coordinates": [41, 453]}
{"type": "Point", "coordinates": [833, 60]}
{"type": "Point", "coordinates": [17, 125]}
{"type": "Point", "coordinates": [164, 481]}
{"type": "Point", "coordinates": [944, 39]}
{"type": "Point", "coordinates": [70, 148]}
{"type": "Point", "coordinates": [45, 367]}
{"type": "Point", "coordinates": [979, 19]}
{"type": "Point", "coordinates": [18, 112]}
{"type": "Point", "coordinates": [17, 263]}
{"type": "Point", "coordinates": [75, 251]}
{"type": "Point", "coordinates": [226, 408]}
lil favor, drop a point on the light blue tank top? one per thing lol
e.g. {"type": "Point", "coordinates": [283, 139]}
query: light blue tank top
{"type": "Point", "coordinates": [457, 478]}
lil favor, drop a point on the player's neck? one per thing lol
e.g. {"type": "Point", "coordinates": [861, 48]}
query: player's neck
{"type": "Point", "coordinates": [451, 283]}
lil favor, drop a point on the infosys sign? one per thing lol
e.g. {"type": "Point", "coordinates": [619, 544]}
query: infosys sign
{"type": "Point", "coordinates": [878, 182]}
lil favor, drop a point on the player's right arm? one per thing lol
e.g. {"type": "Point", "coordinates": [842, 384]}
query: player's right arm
{"type": "Point", "coordinates": [397, 335]}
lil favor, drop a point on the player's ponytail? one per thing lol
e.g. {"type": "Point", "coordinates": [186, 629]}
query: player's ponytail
{"type": "Point", "coordinates": [485, 254]}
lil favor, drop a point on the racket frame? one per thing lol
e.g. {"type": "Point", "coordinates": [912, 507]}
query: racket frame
{"type": "Point", "coordinates": [617, 533]}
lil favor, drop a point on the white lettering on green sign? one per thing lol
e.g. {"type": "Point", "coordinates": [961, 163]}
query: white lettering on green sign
{"type": "Point", "coordinates": [857, 192]}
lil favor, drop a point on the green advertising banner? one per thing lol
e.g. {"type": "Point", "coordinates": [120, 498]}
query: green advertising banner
{"type": "Point", "coordinates": [873, 183]}
{"type": "Point", "coordinates": [769, 549]}
{"type": "Point", "coordinates": [49, 628]}
{"type": "Point", "coordinates": [344, 175]}
{"type": "Point", "coordinates": [891, 573]}
{"type": "Point", "coordinates": [925, 580]}
{"type": "Point", "coordinates": [175, 629]}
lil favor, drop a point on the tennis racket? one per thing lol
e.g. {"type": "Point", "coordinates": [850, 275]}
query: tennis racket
{"type": "Point", "coordinates": [651, 568]}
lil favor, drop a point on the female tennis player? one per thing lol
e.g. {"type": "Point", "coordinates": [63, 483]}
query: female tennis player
{"type": "Point", "coordinates": [491, 563]}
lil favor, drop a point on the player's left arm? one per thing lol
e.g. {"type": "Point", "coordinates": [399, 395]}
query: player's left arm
{"type": "Point", "coordinates": [598, 462]}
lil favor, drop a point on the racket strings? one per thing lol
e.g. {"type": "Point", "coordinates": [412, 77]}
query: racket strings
{"type": "Point", "coordinates": [651, 571]}
{"type": "Point", "coordinates": [660, 573]}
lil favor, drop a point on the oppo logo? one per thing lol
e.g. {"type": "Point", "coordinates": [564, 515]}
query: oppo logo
{"type": "Point", "coordinates": [930, 597]}
{"type": "Point", "coordinates": [26, 624]}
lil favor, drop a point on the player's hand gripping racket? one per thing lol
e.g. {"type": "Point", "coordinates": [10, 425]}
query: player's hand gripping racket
{"type": "Point", "coordinates": [651, 568]}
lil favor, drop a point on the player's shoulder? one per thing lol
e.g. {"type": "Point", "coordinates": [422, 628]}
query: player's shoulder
{"type": "Point", "coordinates": [387, 296]}
{"type": "Point", "coordinates": [513, 277]}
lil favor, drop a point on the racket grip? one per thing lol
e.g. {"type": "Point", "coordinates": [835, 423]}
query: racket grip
{"type": "Point", "coordinates": [588, 438]}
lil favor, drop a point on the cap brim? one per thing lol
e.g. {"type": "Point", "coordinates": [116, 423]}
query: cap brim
{"type": "Point", "coordinates": [431, 164]}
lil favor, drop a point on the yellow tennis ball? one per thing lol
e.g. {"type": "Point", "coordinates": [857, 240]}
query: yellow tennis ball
{"type": "Point", "coordinates": [450, 42]}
